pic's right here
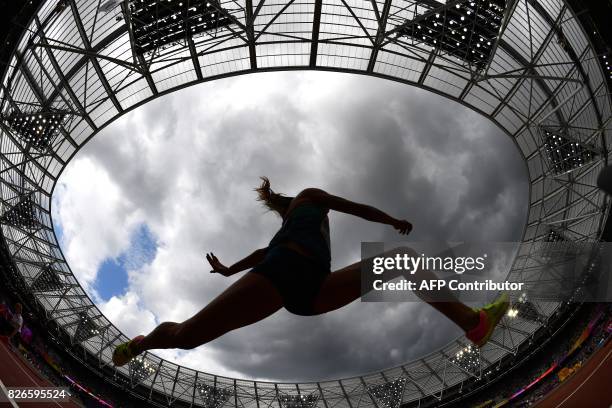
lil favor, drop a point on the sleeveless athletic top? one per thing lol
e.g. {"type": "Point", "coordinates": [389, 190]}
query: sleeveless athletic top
{"type": "Point", "coordinates": [308, 226]}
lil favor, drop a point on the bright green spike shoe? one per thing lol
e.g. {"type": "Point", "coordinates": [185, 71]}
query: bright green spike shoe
{"type": "Point", "coordinates": [490, 315]}
{"type": "Point", "coordinates": [125, 351]}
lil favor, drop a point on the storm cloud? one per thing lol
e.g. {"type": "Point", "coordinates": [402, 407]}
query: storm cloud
{"type": "Point", "coordinates": [186, 165]}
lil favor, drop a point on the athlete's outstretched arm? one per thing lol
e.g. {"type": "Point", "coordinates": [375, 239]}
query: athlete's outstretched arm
{"type": "Point", "coordinates": [367, 212]}
{"type": "Point", "coordinates": [250, 261]}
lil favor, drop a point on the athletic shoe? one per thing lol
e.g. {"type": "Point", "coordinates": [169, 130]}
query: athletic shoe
{"type": "Point", "coordinates": [125, 352]}
{"type": "Point", "coordinates": [490, 315]}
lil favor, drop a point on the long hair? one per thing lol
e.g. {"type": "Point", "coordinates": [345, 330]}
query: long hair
{"type": "Point", "coordinates": [272, 200]}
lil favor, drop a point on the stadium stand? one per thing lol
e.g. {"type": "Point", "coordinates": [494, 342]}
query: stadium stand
{"type": "Point", "coordinates": [550, 364]}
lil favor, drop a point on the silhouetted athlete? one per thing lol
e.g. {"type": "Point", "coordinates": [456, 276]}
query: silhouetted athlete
{"type": "Point", "coordinates": [293, 271]}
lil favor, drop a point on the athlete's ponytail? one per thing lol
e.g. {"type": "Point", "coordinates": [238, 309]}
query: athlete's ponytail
{"type": "Point", "coordinates": [274, 201]}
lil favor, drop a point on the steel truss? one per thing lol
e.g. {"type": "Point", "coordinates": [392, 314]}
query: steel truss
{"type": "Point", "coordinates": [89, 63]}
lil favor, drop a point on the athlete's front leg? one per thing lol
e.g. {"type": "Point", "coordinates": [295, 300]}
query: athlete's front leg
{"type": "Point", "coordinates": [344, 286]}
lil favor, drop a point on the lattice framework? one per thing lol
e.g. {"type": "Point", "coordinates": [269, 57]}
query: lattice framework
{"type": "Point", "coordinates": [93, 64]}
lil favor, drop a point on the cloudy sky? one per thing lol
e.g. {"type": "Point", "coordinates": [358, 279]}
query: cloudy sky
{"type": "Point", "coordinates": [139, 206]}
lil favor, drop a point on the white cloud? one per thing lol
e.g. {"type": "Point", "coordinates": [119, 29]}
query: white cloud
{"type": "Point", "coordinates": [96, 218]}
{"type": "Point", "coordinates": [127, 312]}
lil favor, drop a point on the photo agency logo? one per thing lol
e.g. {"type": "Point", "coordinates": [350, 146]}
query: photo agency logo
{"type": "Point", "coordinates": [411, 264]}
{"type": "Point", "coordinates": [478, 271]}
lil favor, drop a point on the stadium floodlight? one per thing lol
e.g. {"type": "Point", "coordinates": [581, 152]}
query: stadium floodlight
{"type": "Point", "coordinates": [527, 311]}
{"type": "Point", "coordinates": [86, 328]}
{"type": "Point", "coordinates": [158, 24]}
{"type": "Point", "coordinates": [47, 280]}
{"type": "Point", "coordinates": [557, 247]}
{"type": "Point", "coordinates": [140, 369]}
{"type": "Point", "coordinates": [512, 313]}
{"type": "Point", "coordinates": [389, 394]}
{"type": "Point", "coordinates": [213, 397]}
{"type": "Point", "coordinates": [298, 401]}
{"type": "Point", "coordinates": [468, 30]}
{"type": "Point", "coordinates": [23, 214]}
{"type": "Point", "coordinates": [37, 129]}
{"type": "Point", "coordinates": [555, 236]}
{"type": "Point", "coordinates": [564, 154]}
{"type": "Point", "coordinates": [468, 359]}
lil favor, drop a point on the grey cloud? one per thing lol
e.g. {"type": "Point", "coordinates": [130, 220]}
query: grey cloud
{"type": "Point", "coordinates": [381, 130]}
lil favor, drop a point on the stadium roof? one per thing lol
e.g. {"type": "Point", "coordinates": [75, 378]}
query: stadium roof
{"type": "Point", "coordinates": [527, 65]}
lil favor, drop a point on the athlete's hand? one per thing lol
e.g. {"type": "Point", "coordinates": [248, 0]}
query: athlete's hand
{"type": "Point", "coordinates": [402, 226]}
{"type": "Point", "coordinates": [217, 266]}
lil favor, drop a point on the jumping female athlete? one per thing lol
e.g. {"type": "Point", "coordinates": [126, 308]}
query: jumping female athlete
{"type": "Point", "coordinates": [293, 271]}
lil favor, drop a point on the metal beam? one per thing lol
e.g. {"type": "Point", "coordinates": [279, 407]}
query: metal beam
{"type": "Point", "coordinates": [428, 64]}
{"type": "Point", "coordinates": [39, 94]}
{"type": "Point", "coordinates": [139, 60]}
{"type": "Point", "coordinates": [273, 19]}
{"type": "Point", "coordinates": [416, 384]}
{"type": "Point", "coordinates": [529, 68]}
{"type": "Point", "coordinates": [450, 361]}
{"type": "Point", "coordinates": [144, 66]}
{"type": "Point", "coordinates": [536, 78]}
{"type": "Point", "coordinates": [572, 53]}
{"type": "Point", "coordinates": [498, 344]}
{"type": "Point", "coordinates": [346, 397]}
{"type": "Point", "coordinates": [510, 7]}
{"type": "Point", "coordinates": [435, 374]}
{"type": "Point", "coordinates": [365, 387]}
{"type": "Point", "coordinates": [250, 33]}
{"type": "Point", "coordinates": [178, 369]}
{"type": "Point", "coordinates": [60, 74]}
{"type": "Point", "coordinates": [194, 58]}
{"type": "Point", "coordinates": [380, 35]}
{"type": "Point", "coordinates": [102, 44]}
{"type": "Point", "coordinates": [28, 158]}
{"type": "Point", "coordinates": [93, 60]}
{"type": "Point", "coordinates": [316, 24]}
{"type": "Point", "coordinates": [538, 111]}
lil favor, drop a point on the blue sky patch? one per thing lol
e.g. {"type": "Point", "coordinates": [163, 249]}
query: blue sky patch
{"type": "Point", "coordinates": [59, 232]}
{"type": "Point", "coordinates": [112, 278]}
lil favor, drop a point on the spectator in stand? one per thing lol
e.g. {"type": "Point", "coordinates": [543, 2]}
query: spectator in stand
{"type": "Point", "coordinates": [5, 318]}
{"type": "Point", "coordinates": [16, 323]}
